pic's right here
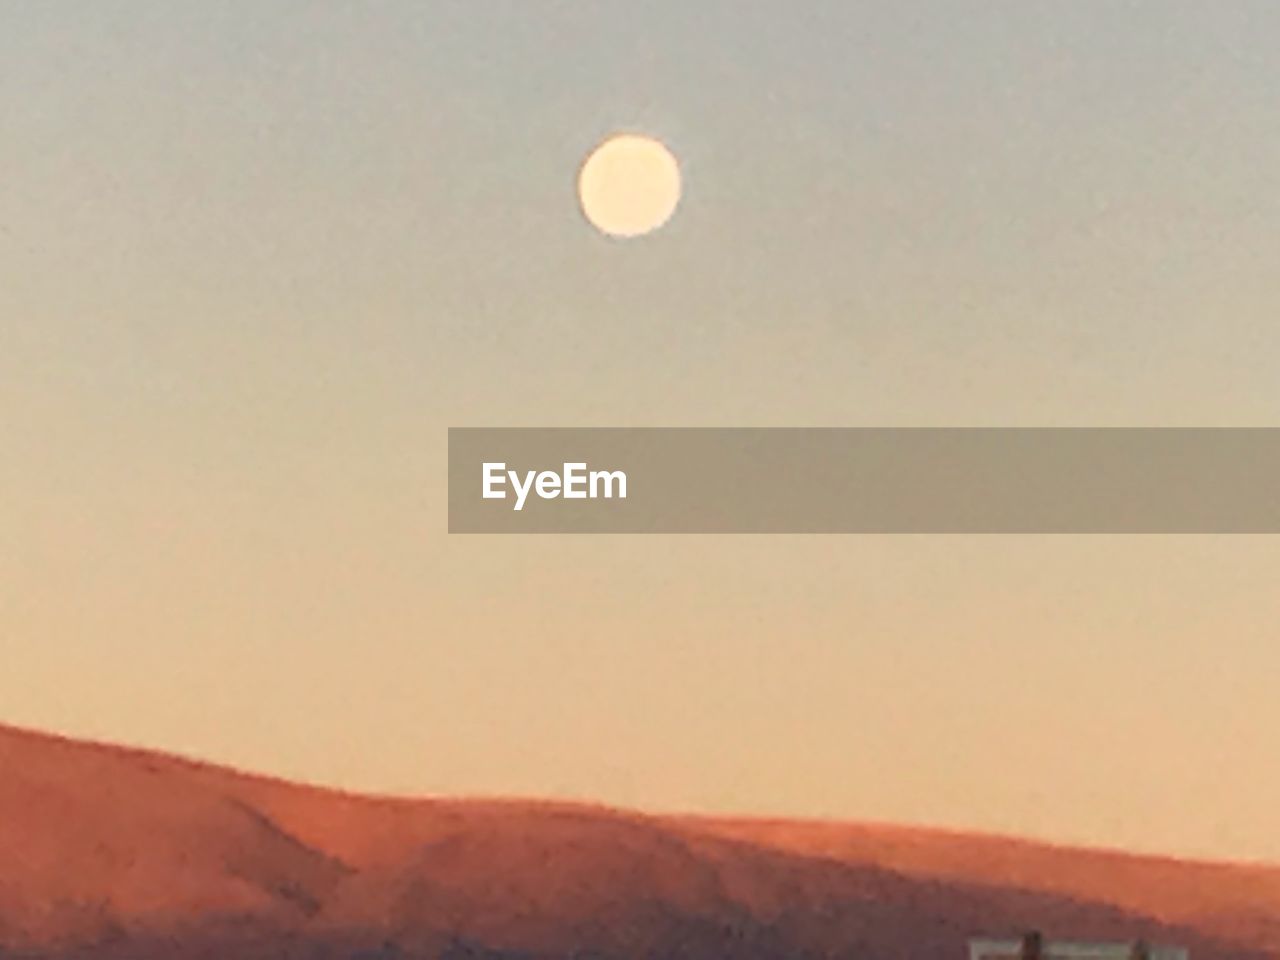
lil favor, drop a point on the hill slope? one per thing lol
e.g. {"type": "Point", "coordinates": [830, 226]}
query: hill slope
{"type": "Point", "coordinates": [106, 852]}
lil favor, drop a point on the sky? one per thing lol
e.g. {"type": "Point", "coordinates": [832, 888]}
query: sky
{"type": "Point", "coordinates": [255, 259]}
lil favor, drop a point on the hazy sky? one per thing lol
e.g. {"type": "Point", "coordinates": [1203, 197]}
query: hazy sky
{"type": "Point", "coordinates": [255, 258]}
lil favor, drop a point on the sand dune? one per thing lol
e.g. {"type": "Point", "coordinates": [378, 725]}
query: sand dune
{"type": "Point", "coordinates": [106, 852]}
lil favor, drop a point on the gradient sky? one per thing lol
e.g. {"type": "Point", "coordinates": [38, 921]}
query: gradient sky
{"type": "Point", "coordinates": [255, 258]}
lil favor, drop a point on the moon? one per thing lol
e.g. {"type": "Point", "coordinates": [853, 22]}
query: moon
{"type": "Point", "coordinates": [629, 185]}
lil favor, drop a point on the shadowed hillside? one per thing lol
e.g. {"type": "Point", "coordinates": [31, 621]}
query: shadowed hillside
{"type": "Point", "coordinates": [114, 853]}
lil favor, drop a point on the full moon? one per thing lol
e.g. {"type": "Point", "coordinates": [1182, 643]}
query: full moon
{"type": "Point", "coordinates": [629, 185]}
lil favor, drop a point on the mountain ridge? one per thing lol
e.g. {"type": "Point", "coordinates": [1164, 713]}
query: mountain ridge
{"type": "Point", "coordinates": [110, 851]}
